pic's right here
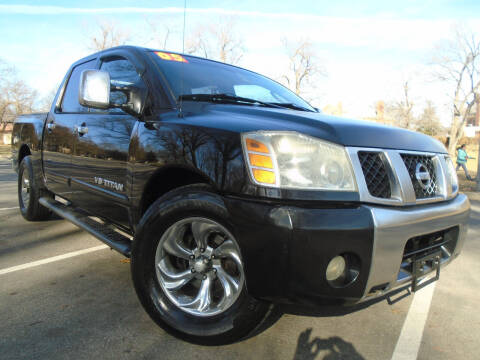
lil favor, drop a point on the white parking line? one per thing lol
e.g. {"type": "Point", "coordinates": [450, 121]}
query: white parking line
{"type": "Point", "coordinates": [52, 259]}
{"type": "Point", "coordinates": [10, 208]}
{"type": "Point", "coordinates": [410, 338]}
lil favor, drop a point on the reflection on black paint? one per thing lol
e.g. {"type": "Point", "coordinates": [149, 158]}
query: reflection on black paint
{"type": "Point", "coordinates": [103, 152]}
{"type": "Point", "coordinates": [58, 144]}
{"type": "Point", "coordinates": [213, 153]}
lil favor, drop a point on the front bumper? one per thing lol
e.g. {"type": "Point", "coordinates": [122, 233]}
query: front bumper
{"type": "Point", "coordinates": [393, 227]}
{"type": "Point", "coordinates": [286, 248]}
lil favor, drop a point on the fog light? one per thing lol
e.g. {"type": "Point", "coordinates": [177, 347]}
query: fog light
{"type": "Point", "coordinates": [336, 268]}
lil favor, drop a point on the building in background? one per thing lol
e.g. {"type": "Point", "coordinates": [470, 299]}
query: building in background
{"type": "Point", "coordinates": [473, 121]}
{"type": "Point", "coordinates": [6, 134]}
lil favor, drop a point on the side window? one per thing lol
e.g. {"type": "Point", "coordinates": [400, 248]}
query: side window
{"type": "Point", "coordinates": [122, 72]}
{"type": "Point", "coordinates": [70, 102]}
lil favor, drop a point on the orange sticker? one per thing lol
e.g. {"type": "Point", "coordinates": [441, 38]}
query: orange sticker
{"type": "Point", "coordinates": [170, 56]}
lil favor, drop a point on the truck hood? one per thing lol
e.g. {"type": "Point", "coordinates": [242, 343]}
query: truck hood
{"type": "Point", "coordinates": [342, 131]}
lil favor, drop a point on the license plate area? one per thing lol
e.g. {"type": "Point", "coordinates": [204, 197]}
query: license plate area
{"type": "Point", "coordinates": [423, 266]}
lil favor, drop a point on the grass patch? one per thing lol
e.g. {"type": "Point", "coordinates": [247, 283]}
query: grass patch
{"type": "Point", "coordinates": [467, 185]}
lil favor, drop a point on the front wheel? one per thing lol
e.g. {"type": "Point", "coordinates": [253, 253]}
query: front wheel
{"type": "Point", "coordinates": [188, 270]}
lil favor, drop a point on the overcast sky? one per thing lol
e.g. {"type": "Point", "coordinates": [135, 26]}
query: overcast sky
{"type": "Point", "coordinates": [368, 48]}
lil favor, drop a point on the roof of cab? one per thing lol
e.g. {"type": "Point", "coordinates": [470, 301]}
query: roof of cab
{"type": "Point", "coordinates": [144, 49]}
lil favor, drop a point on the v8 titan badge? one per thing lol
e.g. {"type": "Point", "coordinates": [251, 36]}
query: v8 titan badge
{"type": "Point", "coordinates": [108, 183]}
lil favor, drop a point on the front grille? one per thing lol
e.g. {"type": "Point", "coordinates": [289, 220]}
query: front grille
{"type": "Point", "coordinates": [375, 174]}
{"type": "Point", "coordinates": [402, 177]}
{"type": "Point", "coordinates": [425, 189]}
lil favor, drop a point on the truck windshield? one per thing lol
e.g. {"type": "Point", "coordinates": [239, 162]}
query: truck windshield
{"type": "Point", "coordinates": [189, 76]}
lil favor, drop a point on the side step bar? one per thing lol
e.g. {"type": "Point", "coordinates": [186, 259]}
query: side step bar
{"type": "Point", "coordinates": [103, 232]}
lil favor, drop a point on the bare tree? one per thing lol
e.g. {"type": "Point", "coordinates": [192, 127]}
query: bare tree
{"type": "Point", "coordinates": [106, 35]}
{"type": "Point", "coordinates": [159, 33]}
{"type": "Point", "coordinates": [216, 41]}
{"type": "Point", "coordinates": [198, 42]}
{"type": "Point", "coordinates": [46, 101]}
{"type": "Point", "coordinates": [6, 73]}
{"type": "Point", "coordinates": [303, 65]}
{"type": "Point", "coordinates": [457, 63]}
{"type": "Point", "coordinates": [16, 97]}
{"type": "Point", "coordinates": [401, 112]}
{"type": "Point", "coordinates": [429, 122]}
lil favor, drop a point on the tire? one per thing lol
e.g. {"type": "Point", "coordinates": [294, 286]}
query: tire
{"type": "Point", "coordinates": [187, 214]}
{"type": "Point", "coordinates": [29, 193]}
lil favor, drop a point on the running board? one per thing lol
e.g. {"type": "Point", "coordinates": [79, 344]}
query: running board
{"type": "Point", "coordinates": [103, 232]}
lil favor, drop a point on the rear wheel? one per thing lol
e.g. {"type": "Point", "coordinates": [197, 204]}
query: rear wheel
{"type": "Point", "coordinates": [29, 193]}
{"type": "Point", "coordinates": [188, 270]}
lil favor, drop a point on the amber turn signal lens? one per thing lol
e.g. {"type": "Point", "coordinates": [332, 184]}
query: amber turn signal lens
{"type": "Point", "coordinates": [264, 176]}
{"type": "Point", "coordinates": [261, 161]}
{"type": "Point", "coordinates": [257, 146]}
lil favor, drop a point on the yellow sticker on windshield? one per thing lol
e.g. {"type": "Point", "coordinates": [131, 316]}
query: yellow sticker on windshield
{"type": "Point", "coordinates": [171, 57]}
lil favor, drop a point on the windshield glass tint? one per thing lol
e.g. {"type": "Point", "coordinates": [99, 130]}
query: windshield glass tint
{"type": "Point", "coordinates": [202, 76]}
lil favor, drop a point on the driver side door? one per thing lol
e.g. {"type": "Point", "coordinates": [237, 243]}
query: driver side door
{"type": "Point", "coordinates": [99, 163]}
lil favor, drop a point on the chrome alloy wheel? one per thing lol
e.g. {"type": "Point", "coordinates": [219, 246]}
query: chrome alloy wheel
{"type": "Point", "coordinates": [198, 266]}
{"type": "Point", "coordinates": [25, 191]}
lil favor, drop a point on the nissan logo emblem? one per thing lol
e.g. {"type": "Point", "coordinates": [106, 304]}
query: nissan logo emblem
{"type": "Point", "coordinates": [423, 176]}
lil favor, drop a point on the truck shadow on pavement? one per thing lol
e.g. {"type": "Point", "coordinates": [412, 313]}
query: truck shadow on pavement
{"type": "Point", "coordinates": [327, 311]}
{"type": "Point", "coordinates": [338, 310]}
{"type": "Point", "coordinates": [332, 348]}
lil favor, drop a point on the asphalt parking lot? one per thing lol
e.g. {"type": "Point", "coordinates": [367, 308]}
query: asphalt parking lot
{"type": "Point", "coordinates": [81, 305]}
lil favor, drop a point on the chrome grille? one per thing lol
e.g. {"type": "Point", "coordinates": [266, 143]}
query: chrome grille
{"type": "Point", "coordinates": [391, 177]}
{"type": "Point", "coordinates": [412, 161]}
{"type": "Point", "coordinates": [375, 172]}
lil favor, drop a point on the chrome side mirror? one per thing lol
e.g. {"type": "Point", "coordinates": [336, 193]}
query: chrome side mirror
{"type": "Point", "coordinates": [94, 89]}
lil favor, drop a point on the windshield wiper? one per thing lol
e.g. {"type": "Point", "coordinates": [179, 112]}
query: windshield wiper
{"type": "Point", "coordinates": [292, 106]}
{"type": "Point", "coordinates": [226, 98]}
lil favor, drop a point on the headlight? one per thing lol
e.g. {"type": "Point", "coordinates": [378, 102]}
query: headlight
{"type": "Point", "coordinates": [452, 173]}
{"type": "Point", "coordinates": [296, 161]}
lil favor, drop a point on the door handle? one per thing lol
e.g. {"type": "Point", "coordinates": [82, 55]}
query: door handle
{"type": "Point", "coordinates": [82, 129]}
{"type": "Point", "coordinates": [50, 126]}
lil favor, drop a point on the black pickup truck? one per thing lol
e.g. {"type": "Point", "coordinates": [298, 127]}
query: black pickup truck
{"type": "Point", "coordinates": [230, 193]}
